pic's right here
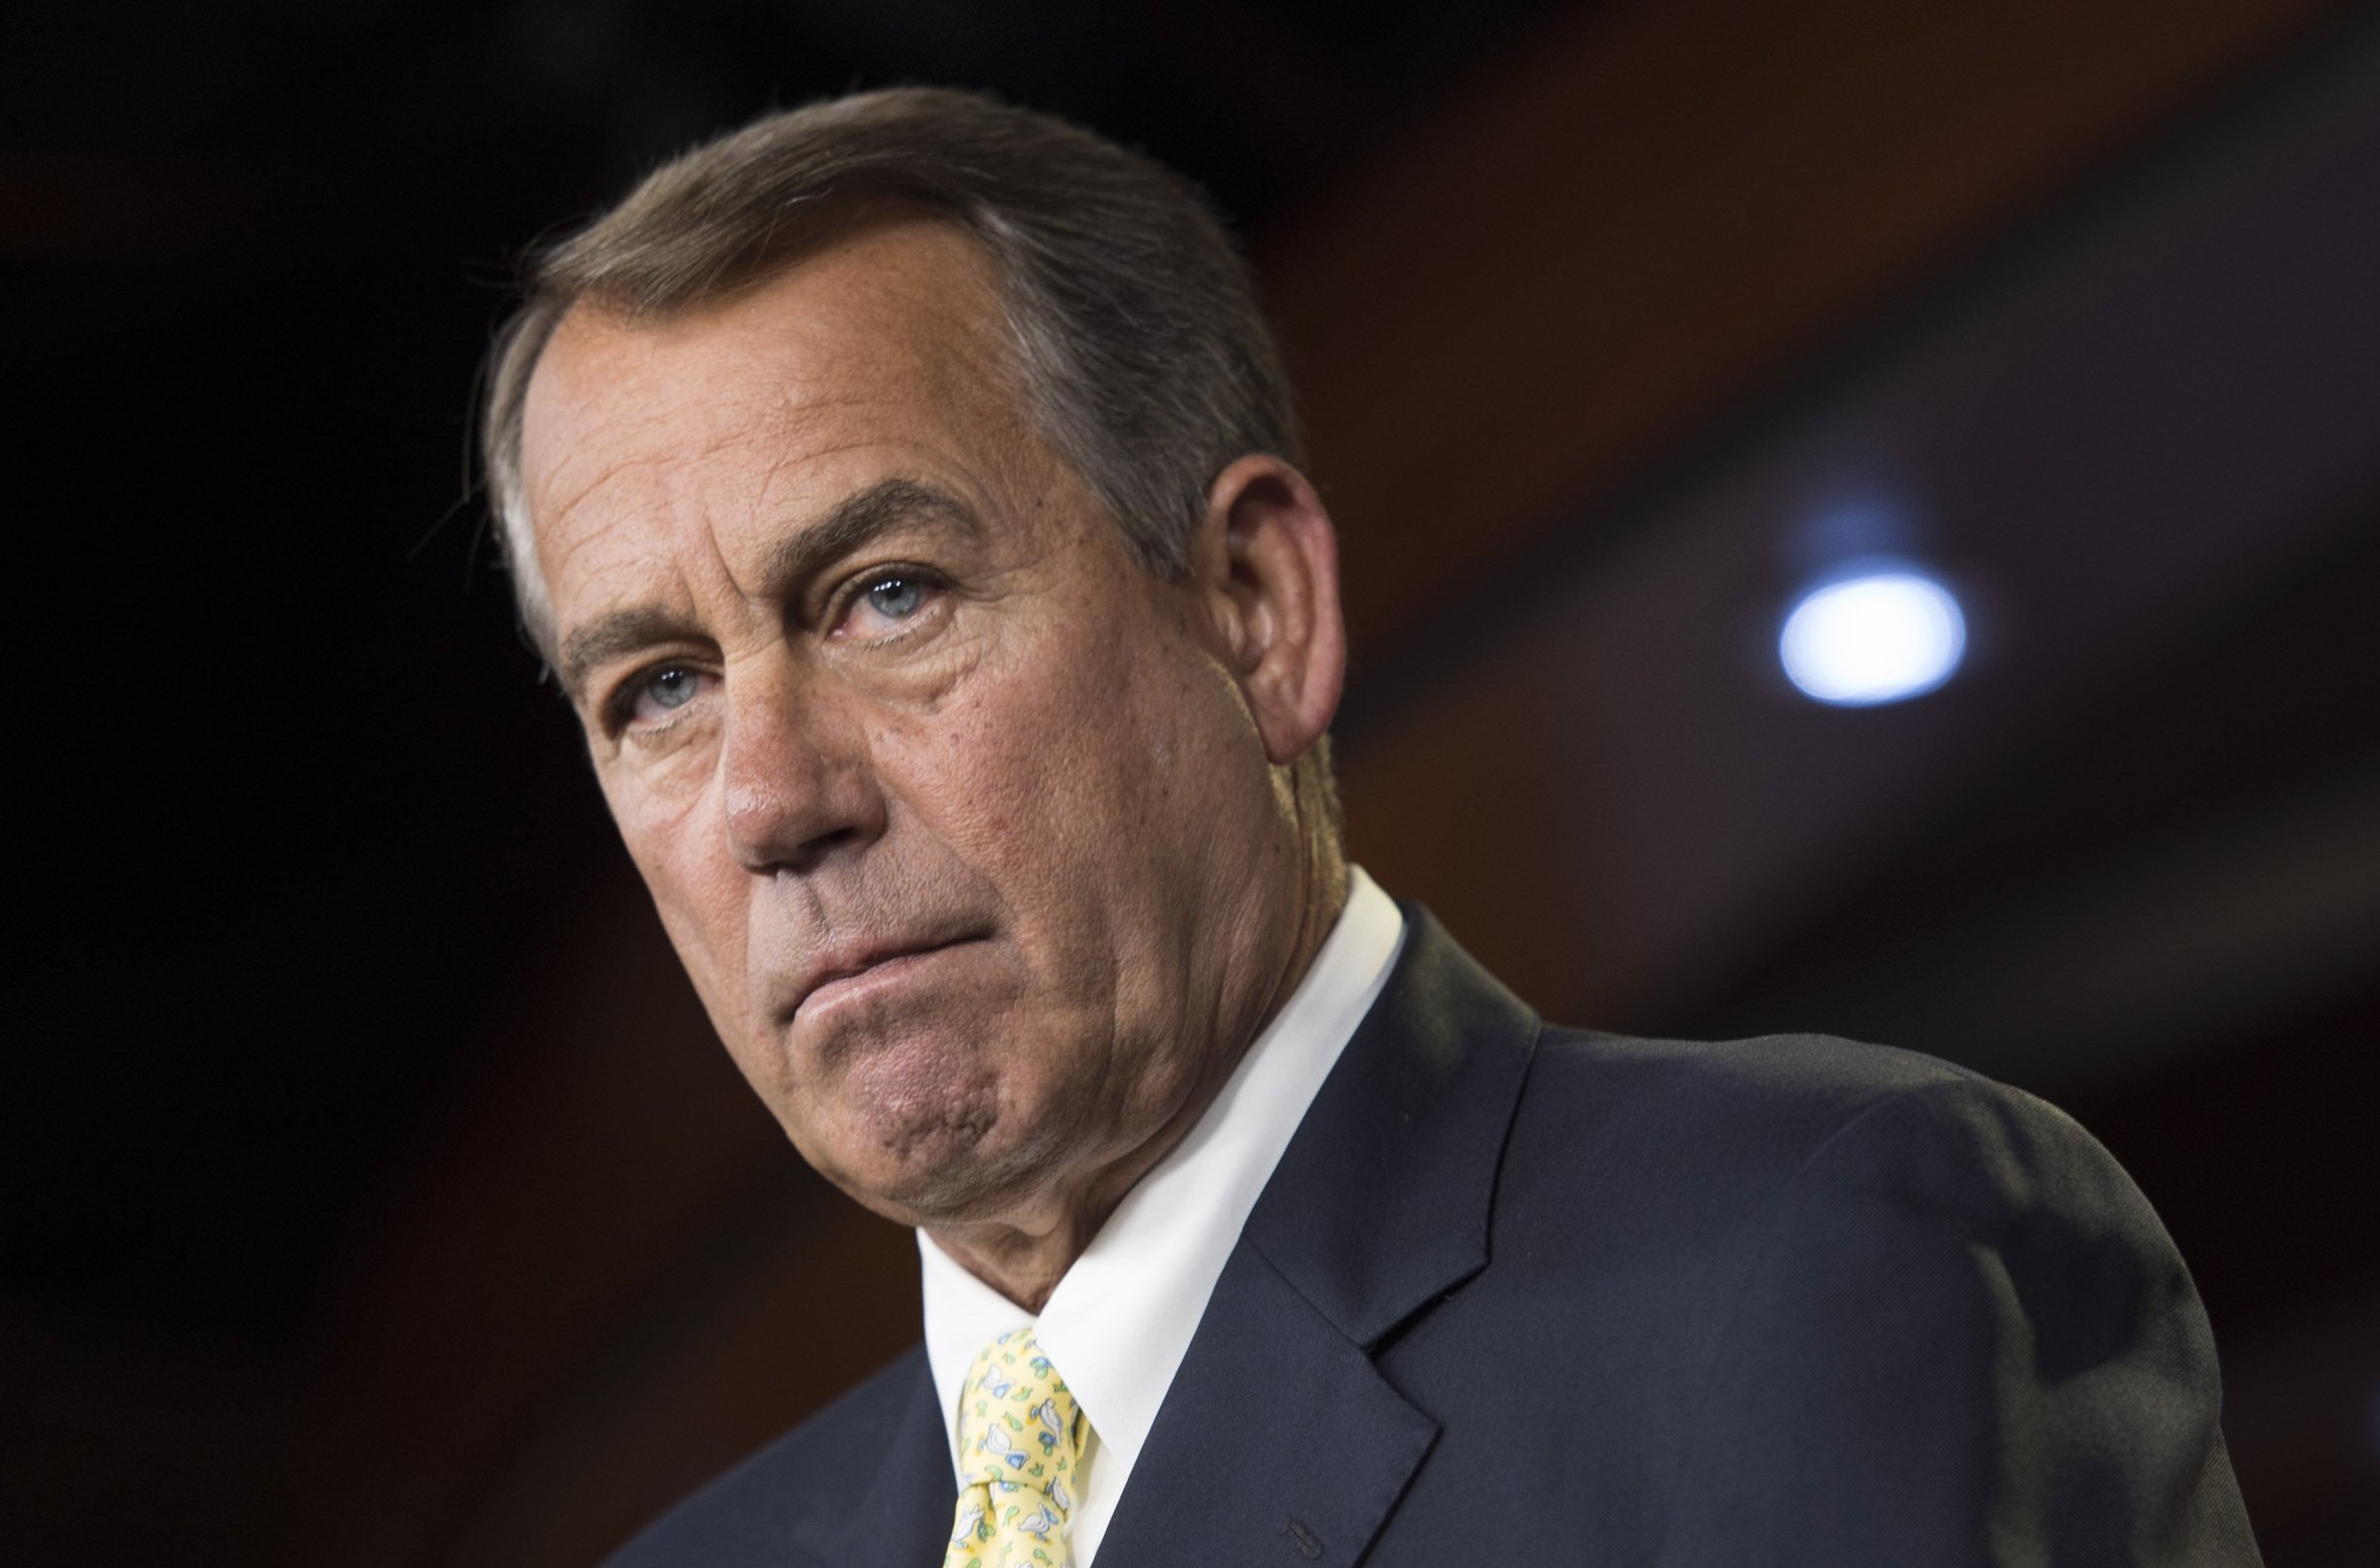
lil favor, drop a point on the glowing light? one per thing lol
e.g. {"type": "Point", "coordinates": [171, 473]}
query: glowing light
{"type": "Point", "coordinates": [1882, 636]}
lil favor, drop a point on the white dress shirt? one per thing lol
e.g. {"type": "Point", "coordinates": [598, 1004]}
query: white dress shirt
{"type": "Point", "coordinates": [1119, 1321]}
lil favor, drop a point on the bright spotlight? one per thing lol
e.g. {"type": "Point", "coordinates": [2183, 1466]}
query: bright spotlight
{"type": "Point", "coordinates": [1879, 637]}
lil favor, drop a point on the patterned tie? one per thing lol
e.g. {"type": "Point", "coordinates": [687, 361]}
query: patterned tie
{"type": "Point", "coordinates": [1020, 1438]}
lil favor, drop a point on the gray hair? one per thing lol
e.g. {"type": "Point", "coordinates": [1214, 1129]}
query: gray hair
{"type": "Point", "coordinates": [1142, 357]}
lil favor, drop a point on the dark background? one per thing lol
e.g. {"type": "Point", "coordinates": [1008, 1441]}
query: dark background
{"type": "Point", "coordinates": [374, 1190]}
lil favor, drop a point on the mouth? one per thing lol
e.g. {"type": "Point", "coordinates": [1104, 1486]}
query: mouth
{"type": "Point", "coordinates": [843, 980]}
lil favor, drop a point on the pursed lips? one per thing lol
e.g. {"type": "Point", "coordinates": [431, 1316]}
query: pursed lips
{"type": "Point", "coordinates": [856, 968]}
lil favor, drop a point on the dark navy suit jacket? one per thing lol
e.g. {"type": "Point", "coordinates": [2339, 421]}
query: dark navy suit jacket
{"type": "Point", "coordinates": [1521, 1295]}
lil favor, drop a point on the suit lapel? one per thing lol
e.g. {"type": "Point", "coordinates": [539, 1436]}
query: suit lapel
{"type": "Point", "coordinates": [1280, 1442]}
{"type": "Point", "coordinates": [904, 1519]}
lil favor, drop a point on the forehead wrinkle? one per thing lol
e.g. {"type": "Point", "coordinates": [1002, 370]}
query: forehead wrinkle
{"type": "Point", "coordinates": [1003, 454]}
{"type": "Point", "coordinates": [564, 510]}
{"type": "Point", "coordinates": [790, 460]}
{"type": "Point", "coordinates": [665, 494]}
{"type": "Point", "coordinates": [678, 492]}
{"type": "Point", "coordinates": [646, 413]}
{"type": "Point", "coordinates": [596, 512]}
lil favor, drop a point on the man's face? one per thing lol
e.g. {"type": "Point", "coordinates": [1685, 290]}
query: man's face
{"type": "Point", "coordinates": [958, 819]}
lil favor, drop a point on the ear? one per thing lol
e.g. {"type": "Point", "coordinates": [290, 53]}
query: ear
{"type": "Point", "coordinates": [1267, 563]}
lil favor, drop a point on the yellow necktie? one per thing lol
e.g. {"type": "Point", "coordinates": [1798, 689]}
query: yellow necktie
{"type": "Point", "coordinates": [1021, 1438]}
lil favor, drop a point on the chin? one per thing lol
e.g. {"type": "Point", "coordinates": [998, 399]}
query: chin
{"type": "Point", "coordinates": [926, 1116]}
{"type": "Point", "coordinates": [933, 1186]}
{"type": "Point", "coordinates": [948, 1165]}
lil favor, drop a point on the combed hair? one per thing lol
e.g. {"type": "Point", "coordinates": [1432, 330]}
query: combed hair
{"type": "Point", "coordinates": [1143, 359]}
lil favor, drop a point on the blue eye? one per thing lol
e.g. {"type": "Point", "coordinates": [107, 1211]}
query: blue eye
{"type": "Point", "coordinates": [672, 687]}
{"type": "Point", "coordinates": [651, 697]}
{"type": "Point", "coordinates": [894, 598]}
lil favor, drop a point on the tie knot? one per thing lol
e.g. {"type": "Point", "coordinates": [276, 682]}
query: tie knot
{"type": "Point", "coordinates": [1019, 1428]}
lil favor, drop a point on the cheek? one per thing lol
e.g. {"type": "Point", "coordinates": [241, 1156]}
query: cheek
{"type": "Point", "coordinates": [1090, 782]}
{"type": "Point", "coordinates": [697, 890]}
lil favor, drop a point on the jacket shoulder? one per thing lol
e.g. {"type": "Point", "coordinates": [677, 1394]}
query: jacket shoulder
{"type": "Point", "coordinates": [1916, 1271]}
{"type": "Point", "coordinates": [752, 1512]}
{"type": "Point", "coordinates": [1703, 1141]}
{"type": "Point", "coordinates": [1765, 1102]}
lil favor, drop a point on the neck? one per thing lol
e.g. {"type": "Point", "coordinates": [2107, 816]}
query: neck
{"type": "Point", "coordinates": [1025, 1262]}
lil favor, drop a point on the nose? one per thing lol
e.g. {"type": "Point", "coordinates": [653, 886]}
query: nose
{"type": "Point", "coordinates": [796, 775]}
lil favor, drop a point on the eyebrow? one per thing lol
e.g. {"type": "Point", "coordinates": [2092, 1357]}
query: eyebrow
{"type": "Point", "coordinates": [852, 524]}
{"type": "Point", "coordinates": [859, 519]}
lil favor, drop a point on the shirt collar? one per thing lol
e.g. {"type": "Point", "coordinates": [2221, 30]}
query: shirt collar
{"type": "Point", "coordinates": [1121, 1318]}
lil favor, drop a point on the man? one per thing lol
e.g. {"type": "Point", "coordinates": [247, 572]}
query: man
{"type": "Point", "coordinates": [906, 494]}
